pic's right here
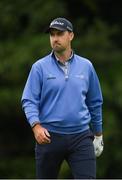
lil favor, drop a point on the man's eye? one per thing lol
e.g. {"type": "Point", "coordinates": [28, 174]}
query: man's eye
{"type": "Point", "coordinates": [60, 33]}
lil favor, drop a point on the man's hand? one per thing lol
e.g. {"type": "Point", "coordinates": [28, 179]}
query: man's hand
{"type": "Point", "coordinates": [98, 145]}
{"type": "Point", "coordinates": [41, 134]}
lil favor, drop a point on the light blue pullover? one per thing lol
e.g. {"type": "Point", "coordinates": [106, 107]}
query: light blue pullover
{"type": "Point", "coordinates": [63, 101]}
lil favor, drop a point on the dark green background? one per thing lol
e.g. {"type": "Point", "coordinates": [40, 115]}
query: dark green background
{"type": "Point", "coordinates": [97, 27]}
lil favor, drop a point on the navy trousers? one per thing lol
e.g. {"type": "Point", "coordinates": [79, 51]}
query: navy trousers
{"type": "Point", "coordinates": [76, 149]}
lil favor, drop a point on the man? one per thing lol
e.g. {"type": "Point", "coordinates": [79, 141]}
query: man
{"type": "Point", "coordinates": [62, 101]}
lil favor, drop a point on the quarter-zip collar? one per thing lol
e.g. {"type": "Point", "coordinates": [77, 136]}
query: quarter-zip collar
{"type": "Point", "coordinates": [64, 66]}
{"type": "Point", "coordinates": [56, 58]}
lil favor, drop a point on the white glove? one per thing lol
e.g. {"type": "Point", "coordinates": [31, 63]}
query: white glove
{"type": "Point", "coordinates": [98, 145]}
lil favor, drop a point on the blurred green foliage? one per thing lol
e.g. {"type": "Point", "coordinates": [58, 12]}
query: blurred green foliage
{"type": "Point", "coordinates": [97, 27]}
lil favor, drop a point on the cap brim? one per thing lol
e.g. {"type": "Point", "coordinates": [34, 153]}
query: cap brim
{"type": "Point", "coordinates": [55, 27]}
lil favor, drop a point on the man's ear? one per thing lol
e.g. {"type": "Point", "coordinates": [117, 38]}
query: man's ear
{"type": "Point", "coordinates": [71, 36]}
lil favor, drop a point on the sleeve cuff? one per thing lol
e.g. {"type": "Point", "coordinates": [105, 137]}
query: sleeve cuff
{"type": "Point", "coordinates": [97, 129]}
{"type": "Point", "coordinates": [33, 121]}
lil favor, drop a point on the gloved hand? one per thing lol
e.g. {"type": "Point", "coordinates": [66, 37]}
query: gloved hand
{"type": "Point", "coordinates": [98, 145]}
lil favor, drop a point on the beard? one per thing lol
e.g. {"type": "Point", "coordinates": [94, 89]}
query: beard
{"type": "Point", "coordinates": [58, 48]}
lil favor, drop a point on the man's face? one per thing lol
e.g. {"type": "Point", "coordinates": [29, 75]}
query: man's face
{"type": "Point", "coordinates": [60, 40]}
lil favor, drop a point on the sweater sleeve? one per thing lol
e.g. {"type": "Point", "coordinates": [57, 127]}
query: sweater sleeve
{"type": "Point", "coordinates": [94, 101]}
{"type": "Point", "coordinates": [31, 95]}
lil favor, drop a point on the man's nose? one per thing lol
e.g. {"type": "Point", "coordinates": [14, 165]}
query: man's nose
{"type": "Point", "coordinates": [55, 37]}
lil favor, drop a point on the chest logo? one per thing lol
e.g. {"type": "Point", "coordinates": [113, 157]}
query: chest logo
{"type": "Point", "coordinates": [81, 76]}
{"type": "Point", "coordinates": [50, 76]}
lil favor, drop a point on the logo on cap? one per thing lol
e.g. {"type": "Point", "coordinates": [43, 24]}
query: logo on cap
{"type": "Point", "coordinates": [56, 23]}
{"type": "Point", "coordinates": [61, 24]}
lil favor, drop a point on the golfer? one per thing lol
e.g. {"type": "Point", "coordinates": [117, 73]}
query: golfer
{"type": "Point", "coordinates": [62, 101]}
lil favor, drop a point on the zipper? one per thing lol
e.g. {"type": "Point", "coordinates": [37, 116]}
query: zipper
{"type": "Point", "coordinates": [66, 70]}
